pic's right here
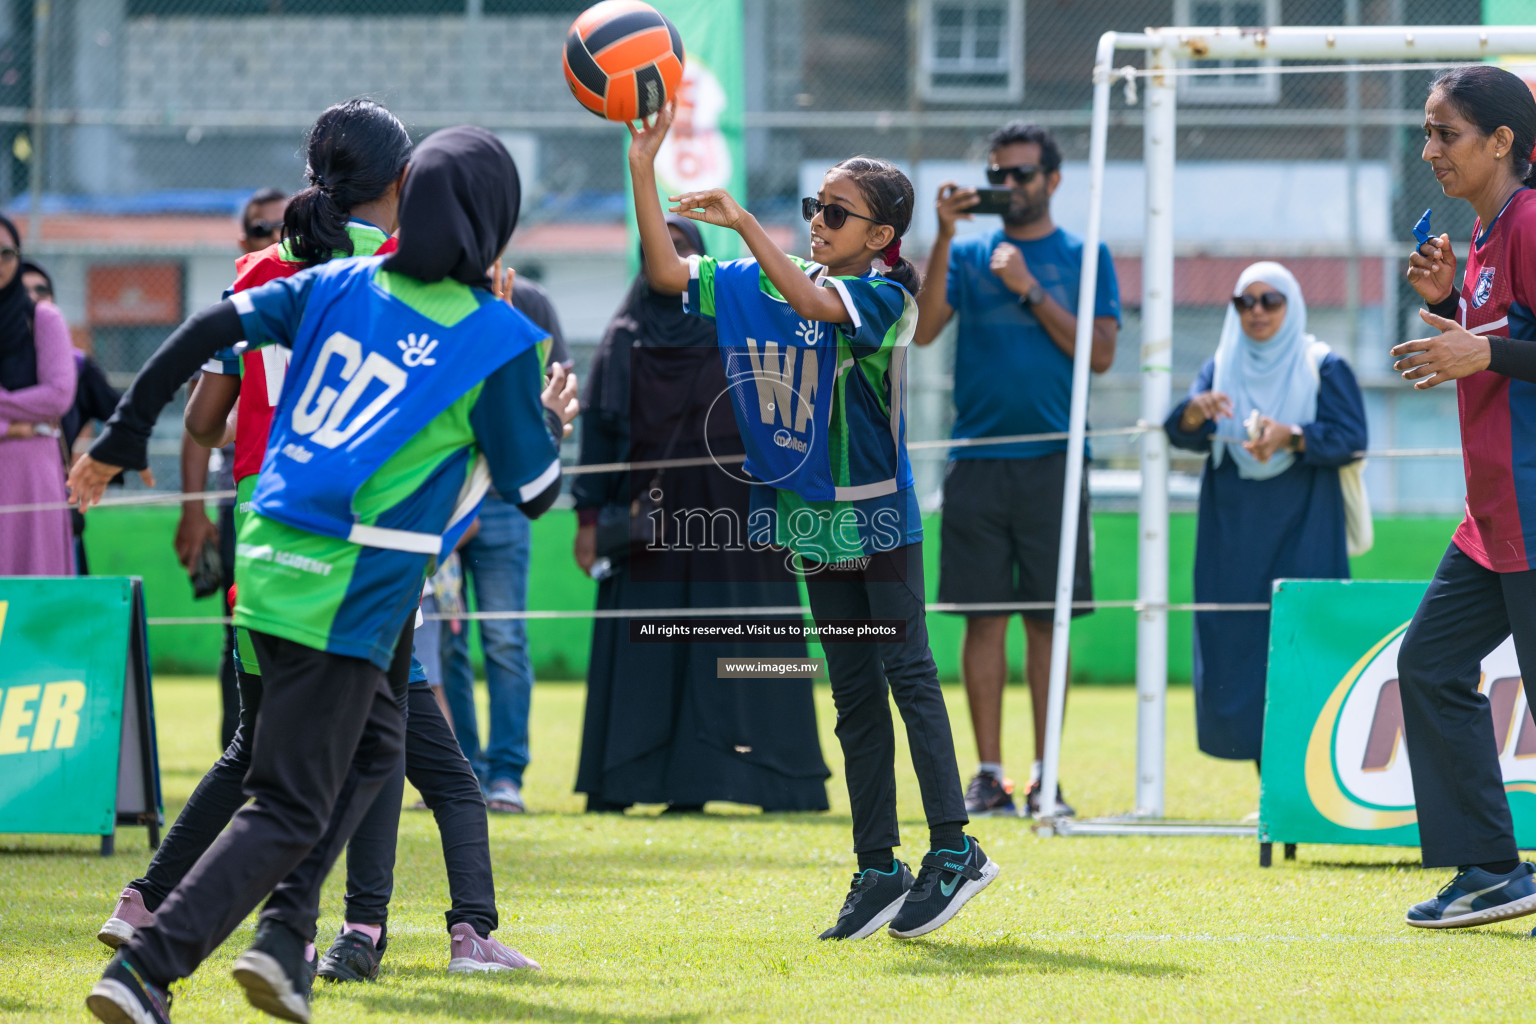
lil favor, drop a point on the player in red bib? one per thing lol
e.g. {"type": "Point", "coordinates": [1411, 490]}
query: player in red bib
{"type": "Point", "coordinates": [1479, 130]}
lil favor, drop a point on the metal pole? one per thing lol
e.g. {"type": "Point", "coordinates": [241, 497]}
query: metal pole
{"type": "Point", "coordinates": [473, 49]}
{"type": "Point", "coordinates": [1156, 391]}
{"type": "Point", "coordinates": [39, 105]}
{"type": "Point", "coordinates": [1071, 494]}
{"type": "Point", "coordinates": [1352, 196]}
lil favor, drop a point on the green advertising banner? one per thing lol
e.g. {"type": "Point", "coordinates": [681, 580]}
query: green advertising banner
{"type": "Point", "coordinates": [1335, 761]}
{"type": "Point", "coordinates": [1509, 12]}
{"type": "Point", "coordinates": [73, 649]}
{"type": "Point", "coordinates": [706, 147]}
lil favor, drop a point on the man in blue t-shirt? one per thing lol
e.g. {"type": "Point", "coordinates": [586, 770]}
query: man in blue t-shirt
{"type": "Point", "coordinates": [1016, 292]}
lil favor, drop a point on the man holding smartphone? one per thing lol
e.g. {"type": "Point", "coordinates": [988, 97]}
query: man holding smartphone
{"type": "Point", "coordinates": [1016, 291]}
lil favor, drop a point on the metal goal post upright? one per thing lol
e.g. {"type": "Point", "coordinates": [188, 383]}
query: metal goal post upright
{"type": "Point", "coordinates": [1165, 49]}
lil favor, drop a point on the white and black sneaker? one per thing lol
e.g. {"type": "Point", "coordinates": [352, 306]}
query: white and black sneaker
{"type": "Point", "coordinates": [276, 977]}
{"type": "Point", "coordinates": [947, 880]}
{"type": "Point", "coordinates": [873, 900]}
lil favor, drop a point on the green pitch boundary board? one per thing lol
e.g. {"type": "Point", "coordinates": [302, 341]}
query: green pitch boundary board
{"type": "Point", "coordinates": [1336, 764]}
{"type": "Point", "coordinates": [77, 721]}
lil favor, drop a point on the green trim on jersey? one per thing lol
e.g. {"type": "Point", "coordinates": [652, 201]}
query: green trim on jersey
{"type": "Point", "coordinates": [410, 467]}
{"type": "Point", "coordinates": [291, 582]}
{"type": "Point", "coordinates": [834, 537]}
{"type": "Point", "coordinates": [446, 301]}
{"type": "Point", "coordinates": [245, 651]}
{"type": "Point", "coordinates": [366, 240]}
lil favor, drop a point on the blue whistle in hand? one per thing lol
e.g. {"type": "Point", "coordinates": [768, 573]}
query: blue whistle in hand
{"type": "Point", "coordinates": [1421, 230]}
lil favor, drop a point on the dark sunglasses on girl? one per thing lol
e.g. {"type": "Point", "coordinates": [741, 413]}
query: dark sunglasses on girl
{"type": "Point", "coordinates": [832, 215]}
{"type": "Point", "coordinates": [1271, 301]}
{"type": "Point", "coordinates": [1023, 174]}
{"type": "Point", "coordinates": [262, 228]}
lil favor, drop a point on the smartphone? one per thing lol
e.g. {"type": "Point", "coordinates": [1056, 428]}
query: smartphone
{"type": "Point", "coordinates": [994, 201]}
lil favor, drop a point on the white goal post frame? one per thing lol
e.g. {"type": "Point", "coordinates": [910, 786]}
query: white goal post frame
{"type": "Point", "coordinates": [1164, 49]}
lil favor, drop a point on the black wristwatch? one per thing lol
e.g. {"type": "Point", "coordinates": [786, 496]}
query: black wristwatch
{"type": "Point", "coordinates": [1034, 296]}
{"type": "Point", "coordinates": [1296, 439]}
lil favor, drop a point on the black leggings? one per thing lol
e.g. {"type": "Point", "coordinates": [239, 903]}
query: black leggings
{"type": "Point", "coordinates": [436, 766]}
{"type": "Point", "coordinates": [328, 736]}
{"type": "Point", "coordinates": [222, 791]}
{"type": "Point", "coordinates": [889, 587]}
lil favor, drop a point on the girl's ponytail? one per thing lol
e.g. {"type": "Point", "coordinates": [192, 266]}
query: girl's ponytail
{"type": "Point", "coordinates": [356, 150]}
{"type": "Point", "coordinates": [315, 227]}
{"type": "Point", "coordinates": [890, 197]}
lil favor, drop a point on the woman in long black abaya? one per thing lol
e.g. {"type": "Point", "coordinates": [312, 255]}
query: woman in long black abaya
{"type": "Point", "coordinates": [660, 726]}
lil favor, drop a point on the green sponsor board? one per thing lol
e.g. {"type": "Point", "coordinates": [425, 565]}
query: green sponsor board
{"type": "Point", "coordinates": [1336, 766]}
{"type": "Point", "coordinates": [706, 147]}
{"type": "Point", "coordinates": [76, 723]}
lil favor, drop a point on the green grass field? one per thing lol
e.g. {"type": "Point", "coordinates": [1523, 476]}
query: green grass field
{"type": "Point", "coordinates": [646, 920]}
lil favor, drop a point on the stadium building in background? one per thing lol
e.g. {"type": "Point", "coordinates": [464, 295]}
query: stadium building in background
{"type": "Point", "coordinates": [137, 127]}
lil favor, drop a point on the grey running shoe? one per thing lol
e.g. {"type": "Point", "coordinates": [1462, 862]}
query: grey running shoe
{"type": "Point", "coordinates": [504, 798]}
{"type": "Point", "coordinates": [470, 953]}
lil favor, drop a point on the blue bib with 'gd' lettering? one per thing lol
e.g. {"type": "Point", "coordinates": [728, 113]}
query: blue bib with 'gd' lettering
{"type": "Point", "coordinates": [781, 370]}
{"type": "Point", "coordinates": [368, 373]}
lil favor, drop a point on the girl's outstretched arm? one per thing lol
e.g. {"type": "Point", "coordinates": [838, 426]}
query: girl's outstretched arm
{"type": "Point", "coordinates": [805, 297]}
{"type": "Point", "coordinates": [664, 268]}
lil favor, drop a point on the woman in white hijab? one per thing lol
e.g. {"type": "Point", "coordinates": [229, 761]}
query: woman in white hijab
{"type": "Point", "coordinates": [1279, 414]}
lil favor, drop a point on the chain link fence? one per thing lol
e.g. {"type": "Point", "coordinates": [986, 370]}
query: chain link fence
{"type": "Point", "coordinates": [131, 131]}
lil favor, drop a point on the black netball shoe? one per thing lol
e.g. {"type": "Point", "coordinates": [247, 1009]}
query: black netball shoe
{"type": "Point", "coordinates": [947, 880]}
{"type": "Point", "coordinates": [873, 900]}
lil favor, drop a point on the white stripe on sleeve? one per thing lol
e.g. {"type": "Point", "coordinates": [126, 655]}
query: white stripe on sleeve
{"type": "Point", "coordinates": [533, 488]}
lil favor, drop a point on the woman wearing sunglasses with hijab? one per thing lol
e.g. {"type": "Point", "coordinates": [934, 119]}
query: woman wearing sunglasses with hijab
{"type": "Point", "coordinates": [1279, 414]}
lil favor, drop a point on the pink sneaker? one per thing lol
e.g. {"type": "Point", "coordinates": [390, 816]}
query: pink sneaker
{"type": "Point", "coordinates": [470, 953]}
{"type": "Point", "coordinates": [127, 917]}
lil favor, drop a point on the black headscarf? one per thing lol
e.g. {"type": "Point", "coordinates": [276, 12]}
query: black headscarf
{"type": "Point", "coordinates": [28, 267]}
{"type": "Point", "coordinates": [18, 351]}
{"type": "Point", "coordinates": [458, 208]}
{"type": "Point", "coordinates": [649, 319]}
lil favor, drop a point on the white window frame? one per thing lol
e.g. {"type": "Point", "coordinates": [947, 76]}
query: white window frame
{"type": "Point", "coordinates": [1249, 88]}
{"type": "Point", "coordinates": [1012, 53]}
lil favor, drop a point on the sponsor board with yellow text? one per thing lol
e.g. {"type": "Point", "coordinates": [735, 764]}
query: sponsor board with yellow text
{"type": "Point", "coordinates": [72, 649]}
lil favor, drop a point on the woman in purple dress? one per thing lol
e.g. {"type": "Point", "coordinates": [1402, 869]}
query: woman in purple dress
{"type": "Point", "coordinates": [37, 387]}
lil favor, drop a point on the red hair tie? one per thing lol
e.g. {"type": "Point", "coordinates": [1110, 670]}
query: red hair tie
{"type": "Point", "coordinates": [892, 253]}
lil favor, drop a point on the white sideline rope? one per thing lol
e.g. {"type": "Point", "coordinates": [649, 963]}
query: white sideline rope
{"type": "Point", "coordinates": [943, 444]}
{"type": "Point", "coordinates": [748, 611]}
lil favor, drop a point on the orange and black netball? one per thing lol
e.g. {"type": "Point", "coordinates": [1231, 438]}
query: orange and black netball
{"type": "Point", "coordinates": [623, 59]}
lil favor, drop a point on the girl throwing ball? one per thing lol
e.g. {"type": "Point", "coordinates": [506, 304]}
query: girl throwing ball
{"type": "Point", "coordinates": [814, 357]}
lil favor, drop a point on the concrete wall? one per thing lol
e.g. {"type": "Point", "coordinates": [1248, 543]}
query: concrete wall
{"type": "Point", "coordinates": [307, 63]}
